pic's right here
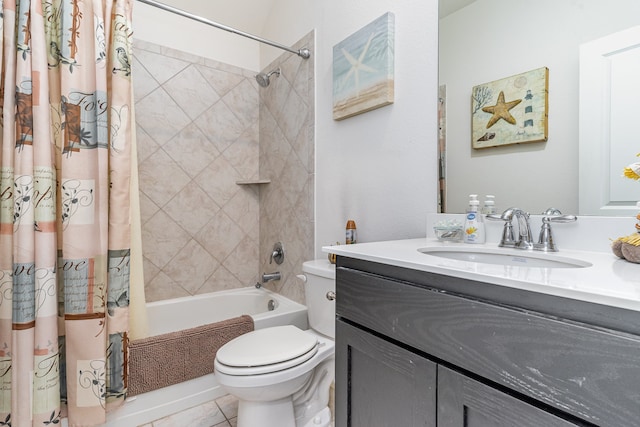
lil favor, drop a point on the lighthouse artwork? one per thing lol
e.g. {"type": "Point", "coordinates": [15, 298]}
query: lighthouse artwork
{"type": "Point", "coordinates": [513, 110]}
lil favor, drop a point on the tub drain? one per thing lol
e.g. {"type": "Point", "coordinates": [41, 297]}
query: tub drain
{"type": "Point", "coordinates": [271, 305]}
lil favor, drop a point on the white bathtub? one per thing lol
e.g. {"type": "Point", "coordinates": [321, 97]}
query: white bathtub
{"type": "Point", "coordinates": [188, 312]}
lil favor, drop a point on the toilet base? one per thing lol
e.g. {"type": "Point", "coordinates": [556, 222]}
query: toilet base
{"type": "Point", "coordinates": [271, 413]}
{"type": "Point", "coordinates": [277, 413]}
{"type": "Point", "coordinates": [322, 419]}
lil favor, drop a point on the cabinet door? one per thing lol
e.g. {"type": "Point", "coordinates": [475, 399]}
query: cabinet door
{"type": "Point", "coordinates": [463, 402]}
{"type": "Point", "coordinates": [379, 384]}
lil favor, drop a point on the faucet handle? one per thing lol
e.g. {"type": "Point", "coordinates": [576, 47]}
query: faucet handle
{"type": "Point", "coordinates": [554, 215]}
{"type": "Point", "coordinates": [496, 217]}
{"type": "Point", "coordinates": [551, 211]}
{"type": "Point", "coordinates": [546, 242]}
{"type": "Point", "coordinates": [508, 238]}
{"type": "Point", "coordinates": [560, 218]}
{"type": "Point", "coordinates": [277, 254]}
{"type": "Point", "coordinates": [507, 215]}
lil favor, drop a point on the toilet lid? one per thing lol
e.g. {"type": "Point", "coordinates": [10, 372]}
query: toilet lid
{"type": "Point", "coordinates": [278, 345]}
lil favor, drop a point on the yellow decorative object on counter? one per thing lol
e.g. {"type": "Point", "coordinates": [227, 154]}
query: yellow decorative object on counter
{"type": "Point", "coordinates": [633, 170]}
{"type": "Point", "coordinates": [633, 239]}
{"type": "Point", "coordinates": [628, 247]}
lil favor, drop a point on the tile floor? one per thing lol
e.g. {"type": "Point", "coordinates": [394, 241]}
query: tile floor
{"type": "Point", "coordinates": [221, 412]}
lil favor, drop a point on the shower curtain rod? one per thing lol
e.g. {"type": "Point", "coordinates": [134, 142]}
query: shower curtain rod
{"type": "Point", "coordinates": [304, 52]}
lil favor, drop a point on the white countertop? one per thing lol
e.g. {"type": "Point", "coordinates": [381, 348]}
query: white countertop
{"type": "Point", "coordinates": [609, 281]}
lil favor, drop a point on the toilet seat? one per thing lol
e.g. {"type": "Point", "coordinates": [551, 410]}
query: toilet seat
{"type": "Point", "coordinates": [266, 350]}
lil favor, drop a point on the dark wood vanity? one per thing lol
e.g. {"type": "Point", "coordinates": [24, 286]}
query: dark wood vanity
{"type": "Point", "coordinates": [415, 348]}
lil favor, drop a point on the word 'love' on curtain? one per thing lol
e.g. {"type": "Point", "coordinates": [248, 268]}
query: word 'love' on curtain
{"type": "Point", "coordinates": [64, 209]}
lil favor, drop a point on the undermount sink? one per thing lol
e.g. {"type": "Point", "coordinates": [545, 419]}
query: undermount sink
{"type": "Point", "coordinates": [506, 257]}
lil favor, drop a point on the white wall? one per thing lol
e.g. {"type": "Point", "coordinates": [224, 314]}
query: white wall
{"type": "Point", "coordinates": [167, 29]}
{"type": "Point", "coordinates": [378, 168]}
{"type": "Point", "coordinates": [493, 39]}
{"type": "Point", "coordinates": [287, 22]}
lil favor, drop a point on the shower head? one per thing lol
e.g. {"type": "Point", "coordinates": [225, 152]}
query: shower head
{"type": "Point", "coordinates": [263, 78]}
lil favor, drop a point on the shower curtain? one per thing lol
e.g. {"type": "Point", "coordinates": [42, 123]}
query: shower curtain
{"type": "Point", "coordinates": [65, 214]}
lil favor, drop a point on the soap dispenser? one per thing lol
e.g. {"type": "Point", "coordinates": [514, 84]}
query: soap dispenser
{"type": "Point", "coordinates": [489, 204]}
{"type": "Point", "coordinates": [473, 223]}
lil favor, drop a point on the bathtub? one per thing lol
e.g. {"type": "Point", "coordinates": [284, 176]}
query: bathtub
{"type": "Point", "coordinates": [188, 312]}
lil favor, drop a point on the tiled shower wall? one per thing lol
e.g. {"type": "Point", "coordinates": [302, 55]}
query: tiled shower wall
{"type": "Point", "coordinates": [287, 158]}
{"type": "Point", "coordinates": [197, 133]}
{"type": "Point", "coordinates": [201, 126]}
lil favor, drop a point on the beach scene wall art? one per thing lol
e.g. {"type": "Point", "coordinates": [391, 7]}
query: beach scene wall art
{"type": "Point", "coordinates": [363, 69]}
{"type": "Point", "coordinates": [512, 110]}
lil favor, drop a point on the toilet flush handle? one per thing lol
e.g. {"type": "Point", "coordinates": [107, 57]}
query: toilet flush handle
{"type": "Point", "coordinates": [331, 296]}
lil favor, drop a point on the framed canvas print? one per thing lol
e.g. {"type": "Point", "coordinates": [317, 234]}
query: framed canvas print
{"type": "Point", "coordinates": [363, 69]}
{"type": "Point", "coordinates": [512, 110]}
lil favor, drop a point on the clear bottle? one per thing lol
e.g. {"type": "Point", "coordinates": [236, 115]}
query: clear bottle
{"type": "Point", "coordinates": [489, 204]}
{"type": "Point", "coordinates": [473, 223]}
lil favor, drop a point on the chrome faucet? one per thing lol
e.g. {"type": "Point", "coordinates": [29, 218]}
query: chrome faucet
{"type": "Point", "coordinates": [525, 241]}
{"type": "Point", "coordinates": [267, 277]}
{"type": "Point", "coordinates": [508, 240]}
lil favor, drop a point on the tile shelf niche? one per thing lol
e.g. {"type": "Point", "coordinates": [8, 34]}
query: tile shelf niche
{"type": "Point", "coordinates": [253, 182]}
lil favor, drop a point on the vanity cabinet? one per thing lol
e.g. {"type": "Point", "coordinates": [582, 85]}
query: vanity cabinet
{"type": "Point", "coordinates": [463, 401]}
{"type": "Point", "coordinates": [420, 349]}
{"type": "Point", "coordinates": [386, 382]}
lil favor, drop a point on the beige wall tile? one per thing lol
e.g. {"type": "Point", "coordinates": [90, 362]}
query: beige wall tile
{"type": "Point", "coordinates": [146, 146]}
{"type": "Point", "coordinates": [191, 150]}
{"type": "Point", "coordinates": [218, 179]}
{"type": "Point", "coordinates": [160, 116]}
{"type": "Point", "coordinates": [162, 288]}
{"type": "Point", "coordinates": [202, 126]}
{"type": "Point", "coordinates": [220, 236]}
{"type": "Point", "coordinates": [220, 125]}
{"type": "Point", "coordinates": [220, 80]}
{"type": "Point", "coordinates": [191, 267]}
{"type": "Point", "coordinates": [191, 91]}
{"type": "Point", "coordinates": [162, 238]}
{"type": "Point", "coordinates": [146, 84]}
{"type": "Point", "coordinates": [160, 67]}
{"type": "Point", "coordinates": [191, 208]}
{"type": "Point", "coordinates": [161, 178]}
{"type": "Point", "coordinates": [286, 156]}
{"type": "Point", "coordinates": [222, 279]}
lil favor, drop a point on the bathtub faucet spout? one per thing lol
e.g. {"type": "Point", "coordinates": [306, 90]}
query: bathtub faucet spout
{"type": "Point", "coordinates": [267, 277]}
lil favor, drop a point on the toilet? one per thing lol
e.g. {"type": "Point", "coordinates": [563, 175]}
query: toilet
{"type": "Point", "coordinates": [282, 375]}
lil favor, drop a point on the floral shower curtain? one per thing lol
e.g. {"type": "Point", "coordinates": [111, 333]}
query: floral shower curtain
{"type": "Point", "coordinates": [64, 209]}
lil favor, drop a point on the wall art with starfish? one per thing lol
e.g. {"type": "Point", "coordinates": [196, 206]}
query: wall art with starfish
{"type": "Point", "coordinates": [363, 74]}
{"type": "Point", "coordinates": [512, 110]}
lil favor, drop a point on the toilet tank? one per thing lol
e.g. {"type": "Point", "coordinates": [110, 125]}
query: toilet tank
{"type": "Point", "coordinates": [320, 277]}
